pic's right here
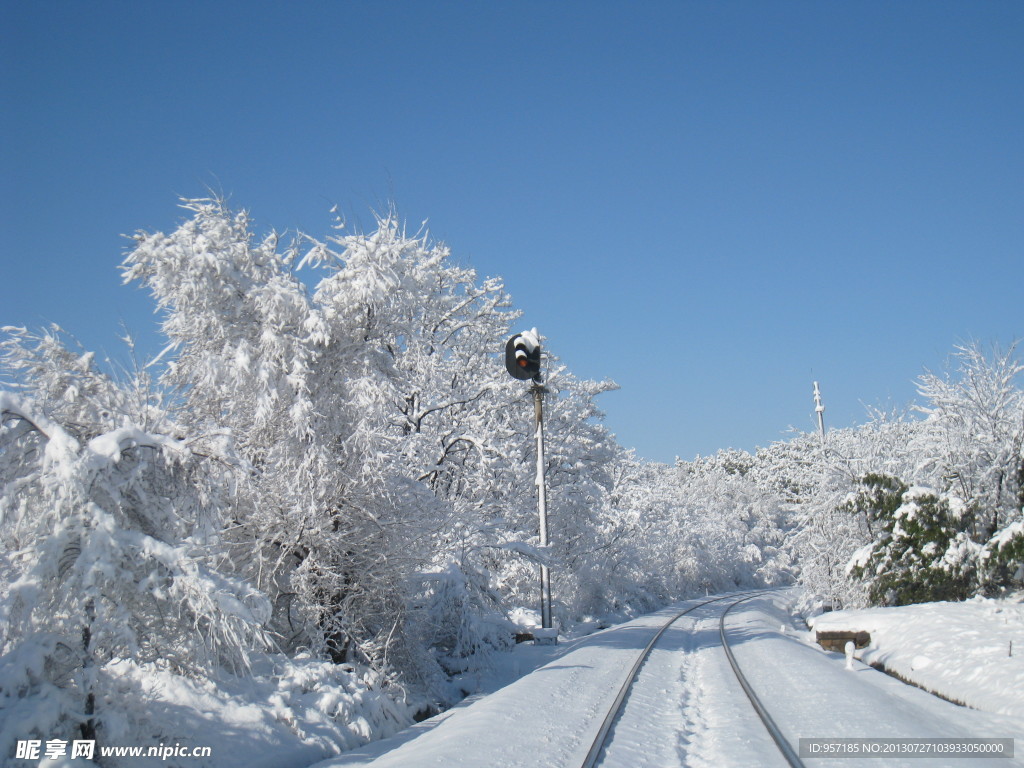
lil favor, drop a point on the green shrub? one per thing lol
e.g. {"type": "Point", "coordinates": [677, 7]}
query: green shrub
{"type": "Point", "coordinates": [1002, 562]}
{"type": "Point", "coordinates": [922, 551]}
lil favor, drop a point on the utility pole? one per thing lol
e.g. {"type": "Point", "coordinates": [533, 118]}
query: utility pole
{"type": "Point", "coordinates": [542, 505]}
{"type": "Point", "coordinates": [522, 361]}
{"type": "Point", "coordinates": [820, 410]}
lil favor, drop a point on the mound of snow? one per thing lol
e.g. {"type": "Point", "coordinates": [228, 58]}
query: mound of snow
{"type": "Point", "coordinates": [971, 652]}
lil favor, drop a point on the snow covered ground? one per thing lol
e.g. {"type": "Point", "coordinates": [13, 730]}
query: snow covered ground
{"type": "Point", "coordinates": [686, 709]}
{"type": "Point", "coordinates": [289, 713]}
{"type": "Point", "coordinates": [543, 706]}
{"type": "Point", "coordinates": [972, 652]}
{"type": "Point", "coordinates": [548, 717]}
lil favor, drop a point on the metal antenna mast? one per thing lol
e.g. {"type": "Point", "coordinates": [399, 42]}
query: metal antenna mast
{"type": "Point", "coordinates": [820, 410]}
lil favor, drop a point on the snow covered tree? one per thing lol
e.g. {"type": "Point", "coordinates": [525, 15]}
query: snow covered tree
{"type": "Point", "coordinates": [328, 460]}
{"type": "Point", "coordinates": [1002, 561]}
{"type": "Point", "coordinates": [874, 503]}
{"type": "Point", "coordinates": [412, 363]}
{"type": "Point", "coordinates": [370, 411]}
{"type": "Point", "coordinates": [110, 544]}
{"type": "Point", "coordinates": [243, 335]}
{"type": "Point", "coordinates": [975, 434]}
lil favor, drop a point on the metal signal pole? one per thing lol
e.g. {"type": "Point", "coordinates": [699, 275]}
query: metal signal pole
{"type": "Point", "coordinates": [523, 361]}
{"type": "Point", "coordinates": [542, 506]}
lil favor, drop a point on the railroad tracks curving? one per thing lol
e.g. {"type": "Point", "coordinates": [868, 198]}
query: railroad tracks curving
{"type": "Point", "coordinates": [603, 734]}
{"type": "Point", "coordinates": [773, 730]}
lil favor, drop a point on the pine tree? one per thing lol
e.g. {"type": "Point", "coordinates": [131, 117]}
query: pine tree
{"type": "Point", "coordinates": [923, 553]}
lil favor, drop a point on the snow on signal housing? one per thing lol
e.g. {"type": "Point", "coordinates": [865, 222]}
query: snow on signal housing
{"type": "Point", "coordinates": [522, 355]}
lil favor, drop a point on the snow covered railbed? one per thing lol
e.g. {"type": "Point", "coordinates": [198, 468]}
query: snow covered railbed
{"type": "Point", "coordinates": [970, 652]}
{"type": "Point", "coordinates": [547, 718]}
{"type": "Point", "coordinates": [686, 708]}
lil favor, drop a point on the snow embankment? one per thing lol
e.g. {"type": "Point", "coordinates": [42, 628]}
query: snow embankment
{"type": "Point", "coordinates": [970, 652]}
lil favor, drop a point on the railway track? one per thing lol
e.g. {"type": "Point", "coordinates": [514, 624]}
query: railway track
{"type": "Point", "coordinates": [773, 730]}
{"type": "Point", "coordinates": [604, 733]}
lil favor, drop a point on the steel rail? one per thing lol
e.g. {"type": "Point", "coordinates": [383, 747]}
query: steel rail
{"type": "Point", "coordinates": [773, 730]}
{"type": "Point", "coordinates": [616, 709]}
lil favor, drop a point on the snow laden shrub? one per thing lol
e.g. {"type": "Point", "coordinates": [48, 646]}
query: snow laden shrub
{"type": "Point", "coordinates": [874, 502]}
{"type": "Point", "coordinates": [923, 552]}
{"type": "Point", "coordinates": [968, 448]}
{"type": "Point", "coordinates": [463, 622]}
{"type": "Point", "coordinates": [109, 543]}
{"type": "Point", "coordinates": [1002, 561]}
{"type": "Point", "coordinates": [973, 438]}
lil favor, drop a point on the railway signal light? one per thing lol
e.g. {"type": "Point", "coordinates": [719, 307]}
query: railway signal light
{"type": "Point", "coordinates": [522, 360]}
{"type": "Point", "coordinates": [522, 355]}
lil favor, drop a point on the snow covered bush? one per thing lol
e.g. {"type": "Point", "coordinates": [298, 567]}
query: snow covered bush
{"type": "Point", "coordinates": [462, 620]}
{"type": "Point", "coordinates": [110, 544]}
{"type": "Point", "coordinates": [874, 503]}
{"type": "Point", "coordinates": [1002, 561]}
{"type": "Point", "coordinates": [923, 552]}
{"type": "Point", "coordinates": [963, 540]}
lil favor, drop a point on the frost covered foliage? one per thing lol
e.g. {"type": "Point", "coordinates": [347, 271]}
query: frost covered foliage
{"type": "Point", "coordinates": [866, 538]}
{"type": "Point", "coordinates": [974, 434]}
{"type": "Point", "coordinates": [327, 468]}
{"type": "Point", "coordinates": [372, 421]}
{"type": "Point", "coordinates": [693, 528]}
{"type": "Point", "coordinates": [108, 552]}
{"type": "Point", "coordinates": [736, 525]}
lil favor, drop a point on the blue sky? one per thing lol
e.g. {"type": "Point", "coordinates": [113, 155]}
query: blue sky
{"type": "Point", "coordinates": [712, 203]}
